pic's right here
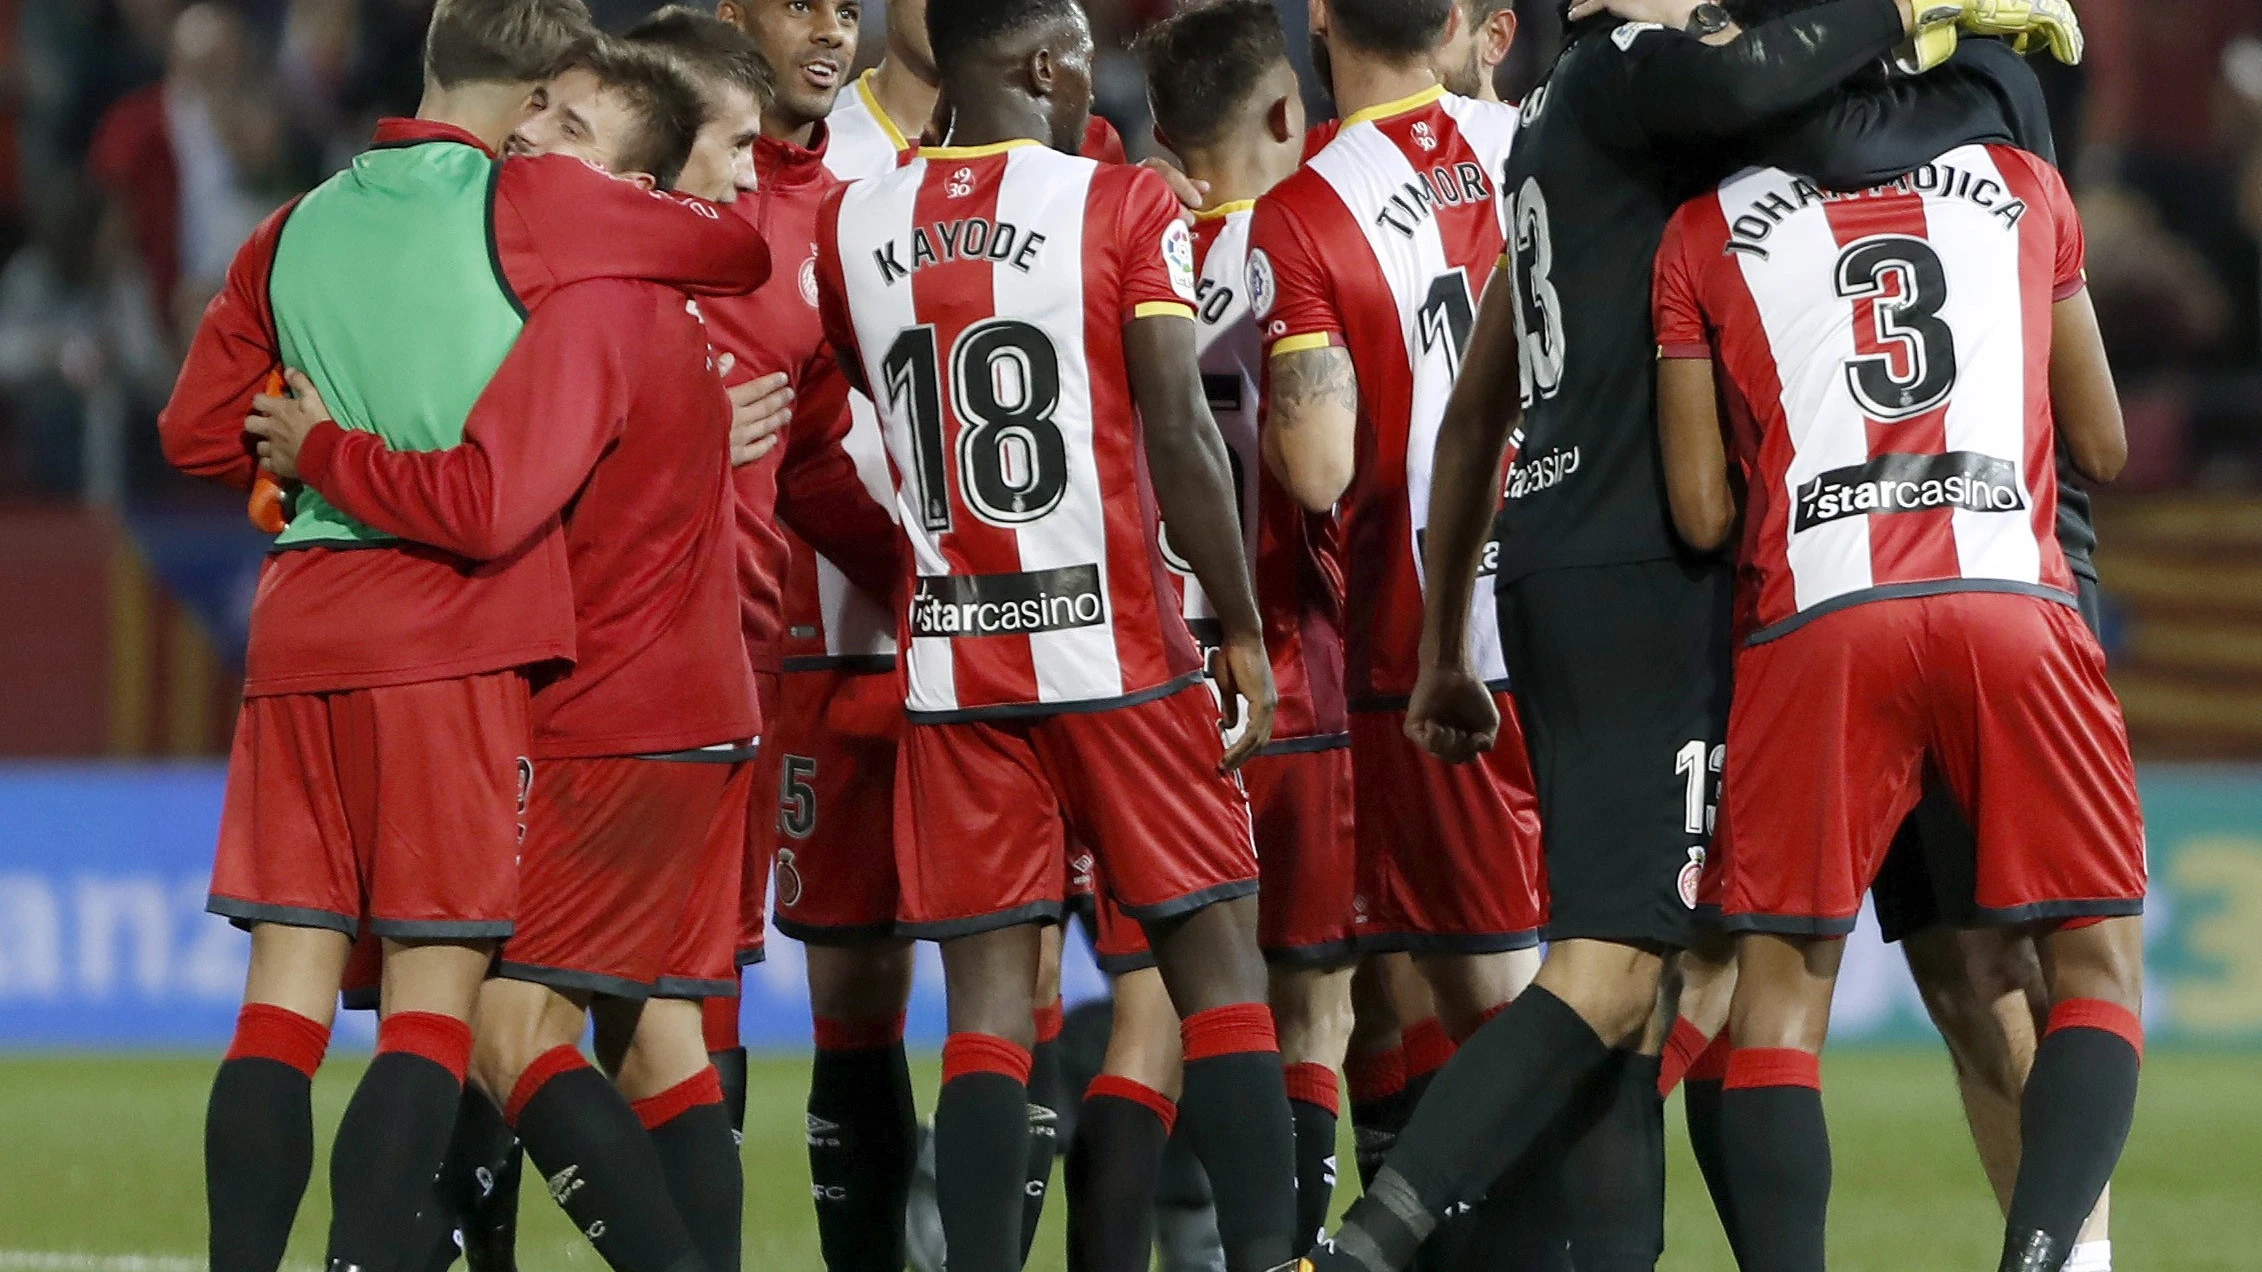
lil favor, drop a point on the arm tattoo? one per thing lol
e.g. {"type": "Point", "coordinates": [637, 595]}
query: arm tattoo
{"type": "Point", "coordinates": [1309, 379]}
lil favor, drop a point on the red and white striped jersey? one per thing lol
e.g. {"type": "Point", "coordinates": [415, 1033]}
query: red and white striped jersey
{"type": "Point", "coordinates": [1296, 556]}
{"type": "Point", "coordinates": [866, 142]}
{"type": "Point", "coordinates": [984, 291]}
{"type": "Point", "coordinates": [1886, 360]}
{"type": "Point", "coordinates": [1382, 243]}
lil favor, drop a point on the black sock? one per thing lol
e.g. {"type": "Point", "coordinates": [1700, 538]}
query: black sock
{"type": "Point", "coordinates": [2073, 1120]}
{"type": "Point", "coordinates": [1614, 1174]}
{"type": "Point", "coordinates": [982, 1151]}
{"type": "Point", "coordinates": [1045, 1099]}
{"type": "Point", "coordinates": [600, 1165]}
{"type": "Point", "coordinates": [1776, 1148]}
{"type": "Point", "coordinates": [1313, 1110]}
{"type": "Point", "coordinates": [730, 1070]}
{"type": "Point", "coordinates": [1700, 1099]}
{"type": "Point", "coordinates": [259, 1147]}
{"type": "Point", "coordinates": [1518, 1227]}
{"type": "Point", "coordinates": [1509, 1083]}
{"type": "Point", "coordinates": [476, 1193]}
{"type": "Point", "coordinates": [863, 1144]}
{"type": "Point", "coordinates": [388, 1150]}
{"type": "Point", "coordinates": [1114, 1169]}
{"type": "Point", "coordinates": [1236, 1110]}
{"type": "Point", "coordinates": [698, 1153]}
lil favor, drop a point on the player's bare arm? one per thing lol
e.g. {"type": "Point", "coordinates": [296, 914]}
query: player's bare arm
{"type": "Point", "coordinates": [1452, 714]}
{"type": "Point", "coordinates": [1194, 485]}
{"type": "Point", "coordinates": [2082, 397]}
{"type": "Point", "coordinates": [1311, 424]}
{"type": "Point", "coordinates": [1696, 461]}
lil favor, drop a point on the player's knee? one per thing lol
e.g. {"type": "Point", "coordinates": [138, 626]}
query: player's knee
{"type": "Point", "coordinates": [516, 1022]}
{"type": "Point", "coordinates": [1311, 1009]}
{"type": "Point", "coordinates": [2101, 960]}
{"type": "Point", "coordinates": [862, 982]}
{"type": "Point", "coordinates": [1612, 987]}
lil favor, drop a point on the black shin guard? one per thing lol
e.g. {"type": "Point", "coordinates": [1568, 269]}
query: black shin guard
{"type": "Point", "coordinates": [1701, 1103]}
{"type": "Point", "coordinates": [602, 1170]}
{"type": "Point", "coordinates": [1315, 1168]}
{"type": "Point", "coordinates": [258, 1155]}
{"type": "Point", "coordinates": [698, 1153]}
{"type": "Point", "coordinates": [1114, 1169]}
{"type": "Point", "coordinates": [1236, 1111]}
{"type": "Point", "coordinates": [1776, 1148]}
{"type": "Point", "coordinates": [1614, 1174]}
{"type": "Point", "coordinates": [981, 1166]}
{"type": "Point", "coordinates": [2074, 1119]}
{"type": "Point", "coordinates": [863, 1145]}
{"type": "Point", "coordinates": [389, 1147]}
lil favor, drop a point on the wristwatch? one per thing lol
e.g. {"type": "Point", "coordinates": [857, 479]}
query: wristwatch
{"type": "Point", "coordinates": [1706, 20]}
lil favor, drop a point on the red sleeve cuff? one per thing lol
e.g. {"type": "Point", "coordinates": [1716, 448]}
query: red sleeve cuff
{"type": "Point", "coordinates": [318, 452]}
{"type": "Point", "coordinates": [1685, 349]}
{"type": "Point", "coordinates": [2069, 289]}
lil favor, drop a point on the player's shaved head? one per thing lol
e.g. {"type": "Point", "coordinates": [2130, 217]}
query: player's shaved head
{"type": "Point", "coordinates": [1207, 68]}
{"type": "Point", "coordinates": [502, 41]}
{"type": "Point", "coordinates": [1002, 59]}
{"type": "Point", "coordinates": [1396, 29]}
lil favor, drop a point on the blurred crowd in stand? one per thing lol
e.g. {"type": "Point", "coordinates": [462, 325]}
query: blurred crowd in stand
{"type": "Point", "coordinates": [141, 140]}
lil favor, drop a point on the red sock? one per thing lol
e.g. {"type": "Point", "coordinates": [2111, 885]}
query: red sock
{"type": "Point", "coordinates": [703, 1087]}
{"type": "Point", "coordinates": [1750, 1067]}
{"type": "Point", "coordinates": [2096, 1013]}
{"type": "Point", "coordinates": [548, 1065]}
{"type": "Point", "coordinates": [1314, 1084]}
{"type": "Point", "coordinates": [718, 1023]}
{"type": "Point", "coordinates": [1228, 1030]}
{"type": "Point", "coordinates": [267, 1032]}
{"type": "Point", "coordinates": [1113, 1086]}
{"type": "Point", "coordinates": [443, 1040]}
{"type": "Point", "coordinates": [1375, 1077]}
{"type": "Point", "coordinates": [1049, 1020]}
{"type": "Point", "coordinates": [1428, 1047]}
{"type": "Point", "coordinates": [858, 1035]}
{"type": "Point", "coordinates": [965, 1053]}
{"type": "Point", "coordinates": [1682, 1048]}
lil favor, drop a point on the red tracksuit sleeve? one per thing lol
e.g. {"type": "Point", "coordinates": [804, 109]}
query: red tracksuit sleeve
{"type": "Point", "coordinates": [228, 362]}
{"type": "Point", "coordinates": [832, 294]}
{"type": "Point", "coordinates": [820, 494]}
{"type": "Point", "coordinates": [560, 221]}
{"type": "Point", "coordinates": [553, 407]}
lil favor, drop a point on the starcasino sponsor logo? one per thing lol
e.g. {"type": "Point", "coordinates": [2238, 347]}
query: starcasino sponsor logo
{"type": "Point", "coordinates": [1540, 472]}
{"type": "Point", "coordinates": [1008, 604]}
{"type": "Point", "coordinates": [1911, 483]}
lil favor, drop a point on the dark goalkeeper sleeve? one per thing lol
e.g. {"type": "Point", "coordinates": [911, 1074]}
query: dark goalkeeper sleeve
{"type": "Point", "coordinates": [1683, 89]}
{"type": "Point", "coordinates": [1877, 130]}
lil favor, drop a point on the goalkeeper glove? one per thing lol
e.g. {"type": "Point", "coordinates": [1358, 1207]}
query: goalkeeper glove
{"type": "Point", "coordinates": [2024, 22]}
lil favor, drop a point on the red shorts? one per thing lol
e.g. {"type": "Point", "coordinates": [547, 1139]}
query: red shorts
{"type": "Point", "coordinates": [985, 808]}
{"type": "Point", "coordinates": [701, 961]}
{"type": "Point", "coordinates": [616, 849]}
{"type": "Point", "coordinates": [830, 761]}
{"type": "Point", "coordinates": [1307, 862]}
{"type": "Point", "coordinates": [1449, 855]}
{"type": "Point", "coordinates": [761, 832]}
{"type": "Point", "coordinates": [397, 805]}
{"type": "Point", "coordinates": [2004, 694]}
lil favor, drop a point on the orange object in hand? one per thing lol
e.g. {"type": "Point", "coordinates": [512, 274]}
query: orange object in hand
{"type": "Point", "coordinates": [265, 507]}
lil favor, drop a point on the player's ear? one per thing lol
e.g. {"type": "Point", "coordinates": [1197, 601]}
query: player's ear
{"type": "Point", "coordinates": [1452, 24]}
{"type": "Point", "coordinates": [1043, 69]}
{"type": "Point", "coordinates": [642, 180]}
{"type": "Point", "coordinates": [1497, 37]}
{"type": "Point", "coordinates": [1278, 122]}
{"type": "Point", "coordinates": [1319, 16]}
{"type": "Point", "coordinates": [731, 13]}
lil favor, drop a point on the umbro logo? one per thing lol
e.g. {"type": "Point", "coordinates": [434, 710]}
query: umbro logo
{"type": "Point", "coordinates": [565, 1184]}
{"type": "Point", "coordinates": [823, 1134]}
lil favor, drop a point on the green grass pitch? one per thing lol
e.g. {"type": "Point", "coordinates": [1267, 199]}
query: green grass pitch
{"type": "Point", "coordinates": [100, 1158]}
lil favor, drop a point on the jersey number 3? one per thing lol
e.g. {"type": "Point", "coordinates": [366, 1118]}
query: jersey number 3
{"type": "Point", "coordinates": [1005, 385]}
{"type": "Point", "coordinates": [1904, 327]}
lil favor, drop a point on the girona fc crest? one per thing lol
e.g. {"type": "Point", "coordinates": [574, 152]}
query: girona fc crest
{"type": "Point", "coordinates": [809, 281]}
{"type": "Point", "coordinates": [961, 183]}
{"type": "Point", "coordinates": [788, 879]}
{"type": "Point", "coordinates": [1691, 875]}
{"type": "Point", "coordinates": [1424, 135]}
